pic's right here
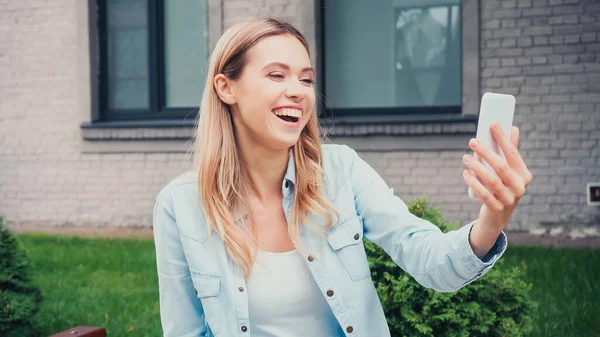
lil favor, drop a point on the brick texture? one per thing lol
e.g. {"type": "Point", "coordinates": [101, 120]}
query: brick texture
{"type": "Point", "coordinates": [545, 53]}
{"type": "Point", "coordinates": [556, 83]}
{"type": "Point", "coordinates": [235, 11]}
{"type": "Point", "coordinates": [434, 174]}
{"type": "Point", "coordinates": [44, 177]}
{"type": "Point", "coordinates": [547, 56]}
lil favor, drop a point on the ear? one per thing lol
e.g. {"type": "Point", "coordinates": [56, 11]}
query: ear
{"type": "Point", "coordinates": [223, 87]}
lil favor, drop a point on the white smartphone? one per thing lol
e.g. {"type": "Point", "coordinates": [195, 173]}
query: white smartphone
{"type": "Point", "coordinates": [494, 108]}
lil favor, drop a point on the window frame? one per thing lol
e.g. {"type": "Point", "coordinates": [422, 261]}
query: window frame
{"type": "Point", "coordinates": [469, 52]}
{"type": "Point", "coordinates": [157, 109]}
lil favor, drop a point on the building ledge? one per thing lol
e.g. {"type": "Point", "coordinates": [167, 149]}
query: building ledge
{"type": "Point", "coordinates": [340, 127]}
{"type": "Point", "coordinates": [138, 130]}
{"type": "Point", "coordinates": [176, 136]}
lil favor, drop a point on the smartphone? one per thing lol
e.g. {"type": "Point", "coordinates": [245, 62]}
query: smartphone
{"type": "Point", "coordinates": [494, 108]}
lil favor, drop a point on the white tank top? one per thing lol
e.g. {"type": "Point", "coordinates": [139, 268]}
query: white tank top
{"type": "Point", "coordinates": [285, 301]}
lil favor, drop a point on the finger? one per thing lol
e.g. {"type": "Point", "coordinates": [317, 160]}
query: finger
{"type": "Point", "coordinates": [514, 136]}
{"type": "Point", "coordinates": [524, 172]}
{"type": "Point", "coordinates": [498, 164]}
{"type": "Point", "coordinates": [512, 155]}
{"type": "Point", "coordinates": [514, 139]}
{"type": "Point", "coordinates": [491, 181]}
{"type": "Point", "coordinates": [528, 177]}
{"type": "Point", "coordinates": [481, 192]}
{"type": "Point", "coordinates": [516, 182]}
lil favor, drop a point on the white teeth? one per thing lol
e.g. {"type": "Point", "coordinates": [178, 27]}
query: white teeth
{"type": "Point", "coordinates": [288, 112]}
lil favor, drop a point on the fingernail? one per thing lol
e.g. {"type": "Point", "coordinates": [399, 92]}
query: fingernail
{"type": "Point", "coordinates": [466, 158]}
{"type": "Point", "coordinates": [474, 143]}
{"type": "Point", "coordinates": [496, 126]}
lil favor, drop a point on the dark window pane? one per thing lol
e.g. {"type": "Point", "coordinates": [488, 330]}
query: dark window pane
{"type": "Point", "coordinates": [128, 80]}
{"type": "Point", "coordinates": [403, 54]}
{"type": "Point", "coordinates": [186, 52]}
{"type": "Point", "coordinates": [427, 56]}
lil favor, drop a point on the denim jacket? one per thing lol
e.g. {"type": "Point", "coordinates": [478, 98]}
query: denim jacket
{"type": "Point", "coordinates": [202, 293]}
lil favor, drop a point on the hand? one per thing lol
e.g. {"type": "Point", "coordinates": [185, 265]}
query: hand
{"type": "Point", "coordinates": [499, 193]}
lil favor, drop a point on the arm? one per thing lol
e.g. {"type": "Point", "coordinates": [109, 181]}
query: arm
{"type": "Point", "coordinates": [444, 262]}
{"type": "Point", "coordinates": [181, 311]}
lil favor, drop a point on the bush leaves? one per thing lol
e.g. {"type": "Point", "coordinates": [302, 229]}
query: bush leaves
{"type": "Point", "coordinates": [497, 304]}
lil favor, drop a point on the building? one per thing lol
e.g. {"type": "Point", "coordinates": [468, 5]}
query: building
{"type": "Point", "coordinates": [98, 98]}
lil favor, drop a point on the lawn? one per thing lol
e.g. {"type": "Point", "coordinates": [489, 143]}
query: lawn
{"type": "Point", "coordinates": [565, 284]}
{"type": "Point", "coordinates": [113, 283]}
{"type": "Point", "coordinates": [96, 282]}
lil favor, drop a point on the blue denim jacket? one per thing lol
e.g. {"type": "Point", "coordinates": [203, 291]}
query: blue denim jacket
{"type": "Point", "coordinates": [203, 294]}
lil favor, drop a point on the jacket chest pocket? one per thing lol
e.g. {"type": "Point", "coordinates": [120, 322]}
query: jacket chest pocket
{"type": "Point", "coordinates": [207, 289]}
{"type": "Point", "coordinates": [346, 240]}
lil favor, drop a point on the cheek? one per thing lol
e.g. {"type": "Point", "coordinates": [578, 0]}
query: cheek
{"type": "Point", "coordinates": [264, 95]}
{"type": "Point", "coordinates": [256, 100]}
{"type": "Point", "coordinates": [312, 98]}
{"type": "Point", "coordinates": [310, 103]}
{"type": "Point", "coordinates": [310, 94]}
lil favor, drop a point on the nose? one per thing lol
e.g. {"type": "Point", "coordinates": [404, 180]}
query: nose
{"type": "Point", "coordinates": [295, 89]}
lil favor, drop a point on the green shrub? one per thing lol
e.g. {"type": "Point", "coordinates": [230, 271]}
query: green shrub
{"type": "Point", "coordinates": [19, 297]}
{"type": "Point", "coordinates": [497, 304]}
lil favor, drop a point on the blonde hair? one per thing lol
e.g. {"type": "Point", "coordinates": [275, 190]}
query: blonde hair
{"type": "Point", "coordinates": [221, 173]}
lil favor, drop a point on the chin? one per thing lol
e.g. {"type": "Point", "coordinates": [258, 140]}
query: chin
{"type": "Point", "coordinates": [281, 140]}
{"type": "Point", "coordinates": [282, 143]}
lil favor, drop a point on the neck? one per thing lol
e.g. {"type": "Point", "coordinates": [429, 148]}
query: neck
{"type": "Point", "coordinates": [265, 169]}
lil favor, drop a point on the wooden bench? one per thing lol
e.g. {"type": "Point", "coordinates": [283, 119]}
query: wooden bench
{"type": "Point", "coordinates": [82, 331]}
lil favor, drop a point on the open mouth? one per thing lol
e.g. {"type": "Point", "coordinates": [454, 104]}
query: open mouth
{"type": "Point", "coordinates": [288, 118]}
{"type": "Point", "coordinates": [288, 115]}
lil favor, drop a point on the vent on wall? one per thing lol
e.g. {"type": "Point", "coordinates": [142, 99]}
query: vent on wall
{"type": "Point", "coordinates": [593, 194]}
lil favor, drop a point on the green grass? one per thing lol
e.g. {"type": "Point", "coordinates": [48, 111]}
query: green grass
{"type": "Point", "coordinates": [566, 284]}
{"type": "Point", "coordinates": [96, 282]}
{"type": "Point", "coordinates": [113, 283]}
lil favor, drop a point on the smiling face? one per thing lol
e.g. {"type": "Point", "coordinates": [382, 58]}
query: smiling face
{"type": "Point", "coordinates": [273, 98]}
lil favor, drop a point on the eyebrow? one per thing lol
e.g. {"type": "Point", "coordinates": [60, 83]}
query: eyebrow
{"type": "Point", "coordinates": [286, 67]}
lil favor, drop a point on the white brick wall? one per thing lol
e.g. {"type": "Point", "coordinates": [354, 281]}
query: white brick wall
{"type": "Point", "coordinates": [44, 177]}
{"type": "Point", "coordinates": [235, 11]}
{"type": "Point", "coordinates": [547, 55]}
{"type": "Point", "coordinates": [436, 174]}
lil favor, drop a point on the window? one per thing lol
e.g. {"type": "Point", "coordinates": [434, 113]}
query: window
{"type": "Point", "coordinates": [391, 57]}
{"type": "Point", "coordinates": [153, 57]}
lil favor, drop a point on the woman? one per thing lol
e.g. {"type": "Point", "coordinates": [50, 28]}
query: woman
{"type": "Point", "coordinates": [265, 237]}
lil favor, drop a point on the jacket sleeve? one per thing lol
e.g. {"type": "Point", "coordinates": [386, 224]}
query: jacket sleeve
{"type": "Point", "coordinates": [181, 311]}
{"type": "Point", "coordinates": [444, 262]}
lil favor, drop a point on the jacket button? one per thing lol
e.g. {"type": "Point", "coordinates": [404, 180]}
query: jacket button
{"type": "Point", "coordinates": [244, 329]}
{"type": "Point", "coordinates": [287, 184]}
{"type": "Point", "coordinates": [196, 292]}
{"type": "Point", "coordinates": [311, 258]}
{"type": "Point", "coordinates": [349, 329]}
{"type": "Point", "coordinates": [356, 236]}
{"type": "Point", "coordinates": [241, 289]}
{"type": "Point", "coordinates": [329, 293]}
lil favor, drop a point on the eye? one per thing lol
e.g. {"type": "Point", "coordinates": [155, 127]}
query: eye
{"type": "Point", "coordinates": [278, 76]}
{"type": "Point", "coordinates": [308, 80]}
